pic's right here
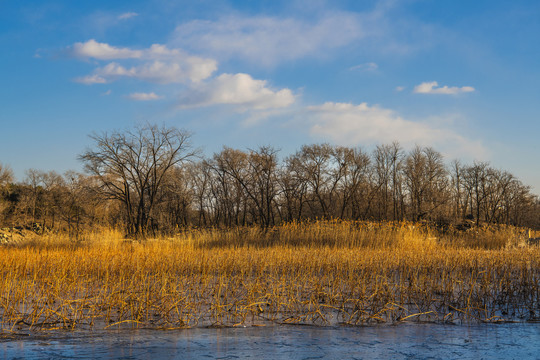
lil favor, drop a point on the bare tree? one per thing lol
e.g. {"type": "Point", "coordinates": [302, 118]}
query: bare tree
{"type": "Point", "coordinates": [199, 178]}
{"type": "Point", "coordinates": [230, 171]}
{"type": "Point", "coordinates": [131, 167]}
{"type": "Point", "coordinates": [6, 178]}
{"type": "Point", "coordinates": [314, 165]}
{"type": "Point", "coordinates": [293, 190]}
{"type": "Point", "coordinates": [6, 175]}
{"type": "Point", "coordinates": [353, 169]}
{"type": "Point", "coordinates": [73, 202]}
{"type": "Point", "coordinates": [387, 165]}
{"type": "Point", "coordinates": [173, 209]}
{"type": "Point", "coordinates": [474, 181]}
{"type": "Point", "coordinates": [458, 194]}
{"type": "Point", "coordinates": [427, 182]}
{"type": "Point", "coordinates": [33, 196]}
{"type": "Point", "coordinates": [262, 186]}
{"type": "Point", "coordinates": [498, 184]}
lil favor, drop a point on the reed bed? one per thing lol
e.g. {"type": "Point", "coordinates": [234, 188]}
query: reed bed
{"type": "Point", "coordinates": [320, 273]}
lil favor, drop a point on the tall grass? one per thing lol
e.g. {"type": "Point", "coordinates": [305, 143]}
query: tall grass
{"type": "Point", "coordinates": [323, 273]}
{"type": "Point", "coordinates": [352, 234]}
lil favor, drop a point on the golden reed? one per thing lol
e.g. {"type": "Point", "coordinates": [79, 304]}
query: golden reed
{"type": "Point", "coordinates": [321, 272]}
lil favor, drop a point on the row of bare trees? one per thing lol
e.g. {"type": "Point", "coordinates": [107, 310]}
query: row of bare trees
{"type": "Point", "coordinates": [237, 187]}
{"type": "Point", "coordinates": [151, 179]}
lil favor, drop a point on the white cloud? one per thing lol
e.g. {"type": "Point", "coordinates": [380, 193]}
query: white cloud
{"type": "Point", "coordinates": [103, 51]}
{"type": "Point", "coordinates": [107, 93]}
{"type": "Point", "coordinates": [144, 96]}
{"type": "Point", "coordinates": [432, 88]}
{"type": "Point", "coordinates": [238, 89]}
{"type": "Point", "coordinates": [157, 71]}
{"type": "Point", "coordinates": [371, 66]}
{"type": "Point", "coordinates": [91, 79]}
{"type": "Point", "coordinates": [158, 64]}
{"type": "Point", "coordinates": [350, 124]}
{"type": "Point", "coordinates": [318, 32]}
{"type": "Point", "coordinates": [400, 88]}
{"type": "Point", "coordinates": [127, 15]}
{"type": "Point", "coordinates": [268, 40]}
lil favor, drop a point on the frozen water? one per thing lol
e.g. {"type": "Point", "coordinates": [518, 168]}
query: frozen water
{"type": "Point", "coordinates": [403, 341]}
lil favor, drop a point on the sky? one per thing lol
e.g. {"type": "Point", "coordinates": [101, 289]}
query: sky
{"type": "Point", "coordinates": [460, 76]}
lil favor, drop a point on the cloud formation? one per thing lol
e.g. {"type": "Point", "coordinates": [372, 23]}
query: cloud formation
{"type": "Point", "coordinates": [371, 66]}
{"type": "Point", "coordinates": [144, 96]}
{"type": "Point", "coordinates": [269, 40]}
{"type": "Point", "coordinates": [433, 88]}
{"type": "Point", "coordinates": [158, 64]}
{"type": "Point", "coordinates": [127, 15]}
{"type": "Point", "coordinates": [91, 79]}
{"type": "Point", "coordinates": [103, 51]}
{"type": "Point", "coordinates": [237, 89]}
{"type": "Point", "coordinates": [156, 71]}
{"type": "Point", "coordinates": [350, 124]}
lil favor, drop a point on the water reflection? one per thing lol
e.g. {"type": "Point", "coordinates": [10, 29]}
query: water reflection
{"type": "Point", "coordinates": [509, 341]}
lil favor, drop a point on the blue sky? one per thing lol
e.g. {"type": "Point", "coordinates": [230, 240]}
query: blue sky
{"type": "Point", "coordinates": [461, 76]}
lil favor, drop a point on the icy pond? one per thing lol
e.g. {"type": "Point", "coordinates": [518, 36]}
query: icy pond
{"type": "Point", "coordinates": [418, 341]}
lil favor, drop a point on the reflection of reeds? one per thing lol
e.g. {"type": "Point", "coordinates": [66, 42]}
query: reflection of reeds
{"type": "Point", "coordinates": [317, 273]}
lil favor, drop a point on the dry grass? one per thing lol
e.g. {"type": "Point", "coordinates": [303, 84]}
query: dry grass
{"type": "Point", "coordinates": [353, 234]}
{"type": "Point", "coordinates": [322, 273]}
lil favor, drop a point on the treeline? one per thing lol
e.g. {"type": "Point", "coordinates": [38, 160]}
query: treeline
{"type": "Point", "coordinates": [151, 180]}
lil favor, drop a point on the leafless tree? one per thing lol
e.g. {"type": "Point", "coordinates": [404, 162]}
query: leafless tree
{"type": "Point", "coordinates": [388, 160]}
{"type": "Point", "coordinates": [73, 203]}
{"type": "Point", "coordinates": [427, 183]}
{"type": "Point", "coordinates": [497, 185]}
{"type": "Point", "coordinates": [6, 175]}
{"type": "Point", "coordinates": [131, 167]}
{"type": "Point", "coordinates": [6, 178]}
{"type": "Point", "coordinates": [314, 165]}
{"type": "Point", "coordinates": [293, 190]}
{"type": "Point", "coordinates": [262, 182]}
{"type": "Point", "coordinates": [174, 202]}
{"type": "Point", "coordinates": [458, 194]}
{"type": "Point", "coordinates": [33, 196]}
{"type": "Point", "coordinates": [199, 177]}
{"type": "Point", "coordinates": [230, 175]}
{"type": "Point", "coordinates": [474, 182]}
{"type": "Point", "coordinates": [353, 169]}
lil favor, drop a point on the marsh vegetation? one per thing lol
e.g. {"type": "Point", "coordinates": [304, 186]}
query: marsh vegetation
{"type": "Point", "coordinates": [320, 273]}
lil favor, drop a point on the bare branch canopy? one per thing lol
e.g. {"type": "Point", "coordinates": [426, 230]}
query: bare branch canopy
{"type": "Point", "coordinates": [131, 165]}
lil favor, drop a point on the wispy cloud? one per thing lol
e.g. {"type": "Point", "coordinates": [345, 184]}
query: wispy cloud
{"type": "Point", "coordinates": [144, 96]}
{"type": "Point", "coordinates": [158, 64]}
{"type": "Point", "coordinates": [270, 40]}
{"type": "Point", "coordinates": [91, 79]}
{"type": "Point", "coordinates": [400, 88]}
{"type": "Point", "coordinates": [100, 22]}
{"type": "Point", "coordinates": [103, 51]}
{"type": "Point", "coordinates": [433, 88]}
{"type": "Point", "coordinates": [240, 90]}
{"type": "Point", "coordinates": [127, 15]}
{"type": "Point", "coordinates": [156, 71]}
{"type": "Point", "coordinates": [370, 66]}
{"type": "Point", "coordinates": [350, 124]}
